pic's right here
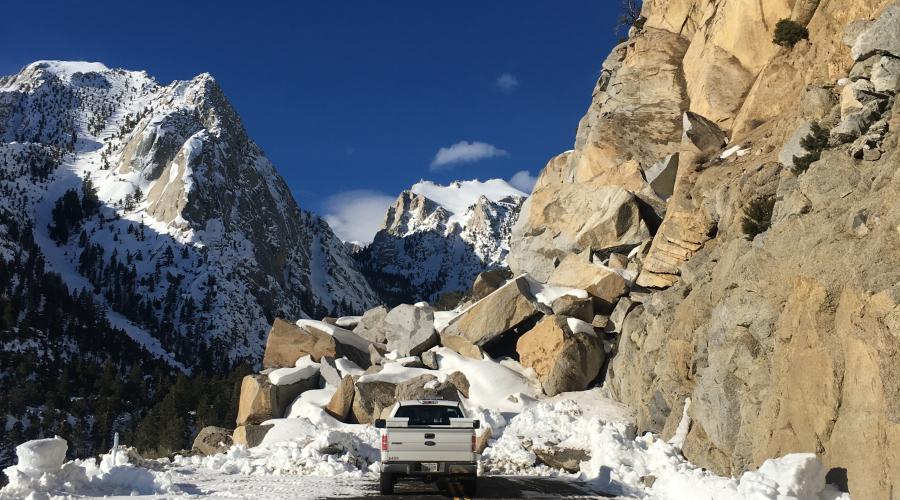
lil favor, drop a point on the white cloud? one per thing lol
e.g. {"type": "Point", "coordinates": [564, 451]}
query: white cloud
{"type": "Point", "coordinates": [506, 82]}
{"type": "Point", "coordinates": [358, 214]}
{"type": "Point", "coordinates": [523, 181]}
{"type": "Point", "coordinates": [464, 152]}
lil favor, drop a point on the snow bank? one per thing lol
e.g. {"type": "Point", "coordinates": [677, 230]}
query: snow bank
{"type": "Point", "coordinates": [41, 455]}
{"type": "Point", "coordinates": [41, 474]}
{"type": "Point", "coordinates": [619, 460]}
{"type": "Point", "coordinates": [442, 319]}
{"type": "Point", "coordinates": [298, 446]}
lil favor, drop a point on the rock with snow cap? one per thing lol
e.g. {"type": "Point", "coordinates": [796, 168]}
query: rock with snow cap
{"type": "Point", "coordinates": [262, 400]}
{"type": "Point", "coordinates": [288, 342]}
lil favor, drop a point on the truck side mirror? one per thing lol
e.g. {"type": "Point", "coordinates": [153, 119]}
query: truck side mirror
{"type": "Point", "coordinates": [380, 423]}
{"type": "Point", "coordinates": [476, 424]}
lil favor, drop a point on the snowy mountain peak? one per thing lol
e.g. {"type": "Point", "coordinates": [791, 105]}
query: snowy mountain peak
{"type": "Point", "coordinates": [203, 237]}
{"type": "Point", "coordinates": [436, 238]}
{"type": "Point", "coordinates": [458, 196]}
{"type": "Point", "coordinates": [67, 68]}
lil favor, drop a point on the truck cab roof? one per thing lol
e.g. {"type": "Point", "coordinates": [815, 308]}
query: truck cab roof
{"type": "Point", "coordinates": [436, 402]}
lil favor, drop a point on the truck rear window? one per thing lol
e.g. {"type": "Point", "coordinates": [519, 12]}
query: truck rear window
{"type": "Point", "coordinates": [428, 415]}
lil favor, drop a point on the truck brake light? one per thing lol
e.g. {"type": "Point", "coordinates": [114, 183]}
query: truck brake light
{"type": "Point", "coordinates": [473, 442]}
{"type": "Point", "coordinates": [384, 441]}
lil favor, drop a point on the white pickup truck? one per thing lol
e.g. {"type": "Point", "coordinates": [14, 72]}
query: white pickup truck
{"type": "Point", "coordinates": [428, 440]}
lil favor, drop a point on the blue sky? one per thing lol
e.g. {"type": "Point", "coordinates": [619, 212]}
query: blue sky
{"type": "Point", "coordinates": [356, 96]}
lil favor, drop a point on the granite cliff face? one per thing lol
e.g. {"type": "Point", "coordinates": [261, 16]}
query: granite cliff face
{"type": "Point", "coordinates": [785, 339]}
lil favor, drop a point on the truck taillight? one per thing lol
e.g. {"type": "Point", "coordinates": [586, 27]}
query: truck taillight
{"type": "Point", "coordinates": [384, 441]}
{"type": "Point", "coordinates": [473, 443]}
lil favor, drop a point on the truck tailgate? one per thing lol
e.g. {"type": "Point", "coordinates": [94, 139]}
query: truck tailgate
{"type": "Point", "coordinates": [430, 444]}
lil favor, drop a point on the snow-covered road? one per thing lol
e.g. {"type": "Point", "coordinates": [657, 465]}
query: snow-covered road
{"type": "Point", "coordinates": [210, 485]}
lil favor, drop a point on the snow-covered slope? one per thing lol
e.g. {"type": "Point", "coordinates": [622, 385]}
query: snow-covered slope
{"type": "Point", "coordinates": [436, 239]}
{"type": "Point", "coordinates": [196, 241]}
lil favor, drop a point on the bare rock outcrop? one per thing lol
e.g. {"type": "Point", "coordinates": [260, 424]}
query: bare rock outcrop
{"type": "Point", "coordinates": [552, 225]}
{"type": "Point", "coordinates": [783, 334]}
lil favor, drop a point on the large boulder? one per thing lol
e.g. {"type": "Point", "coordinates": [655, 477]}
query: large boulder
{"type": "Point", "coordinates": [462, 346]}
{"type": "Point", "coordinates": [458, 379]}
{"type": "Point", "coordinates": [211, 440]}
{"type": "Point", "coordinates": [371, 325]}
{"type": "Point", "coordinates": [262, 400]}
{"type": "Point", "coordinates": [341, 402]}
{"type": "Point", "coordinates": [567, 459]}
{"type": "Point", "coordinates": [495, 314]}
{"type": "Point", "coordinates": [575, 307]}
{"type": "Point", "coordinates": [661, 176]}
{"type": "Point", "coordinates": [857, 122]}
{"type": "Point", "coordinates": [487, 282]}
{"type": "Point", "coordinates": [255, 404]}
{"type": "Point", "coordinates": [571, 218]}
{"type": "Point", "coordinates": [371, 398]}
{"type": "Point", "coordinates": [717, 82]}
{"type": "Point", "coordinates": [426, 387]}
{"type": "Point", "coordinates": [250, 435]}
{"type": "Point", "coordinates": [886, 75]}
{"type": "Point", "coordinates": [329, 372]}
{"type": "Point", "coordinates": [703, 134]}
{"type": "Point", "coordinates": [565, 353]}
{"type": "Point", "coordinates": [793, 148]}
{"type": "Point", "coordinates": [603, 284]}
{"type": "Point", "coordinates": [879, 37]}
{"type": "Point", "coordinates": [410, 330]}
{"type": "Point", "coordinates": [288, 342]}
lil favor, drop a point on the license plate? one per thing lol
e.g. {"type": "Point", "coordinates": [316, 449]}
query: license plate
{"type": "Point", "coordinates": [429, 466]}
